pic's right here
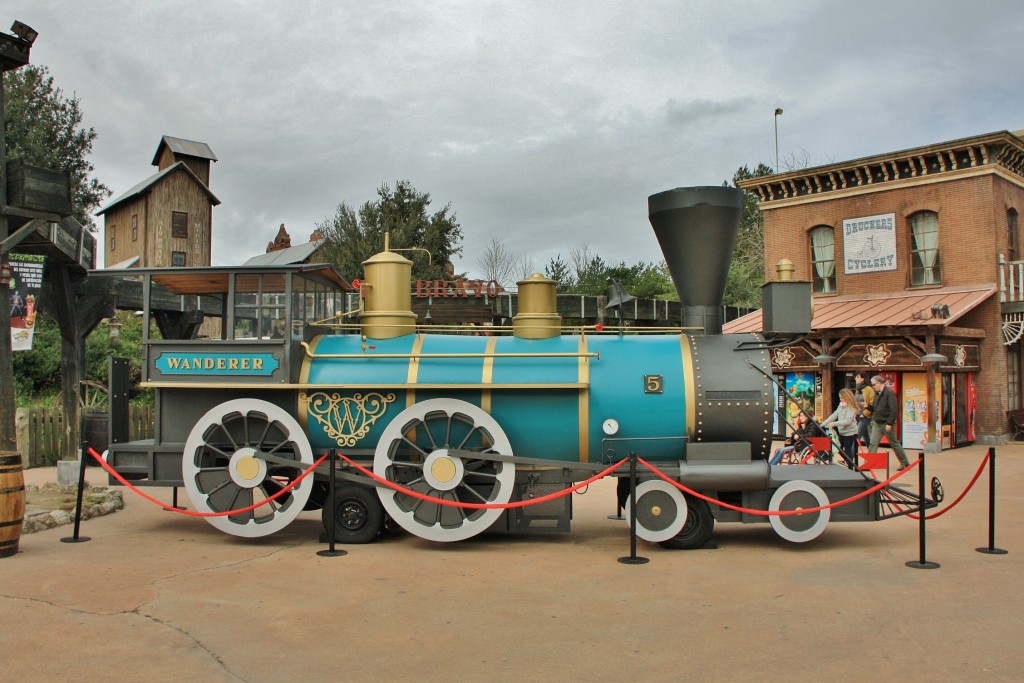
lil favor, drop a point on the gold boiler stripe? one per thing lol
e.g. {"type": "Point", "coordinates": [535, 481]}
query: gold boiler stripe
{"type": "Point", "coordinates": [689, 386]}
{"type": "Point", "coordinates": [284, 386]}
{"type": "Point", "coordinates": [584, 418]}
{"type": "Point", "coordinates": [488, 375]}
{"type": "Point", "coordinates": [414, 370]}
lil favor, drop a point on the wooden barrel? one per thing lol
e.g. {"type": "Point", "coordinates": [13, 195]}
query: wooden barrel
{"type": "Point", "coordinates": [12, 502]}
{"type": "Point", "coordinates": [96, 432]}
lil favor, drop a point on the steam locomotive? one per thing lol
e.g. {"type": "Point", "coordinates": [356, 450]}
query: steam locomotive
{"type": "Point", "coordinates": [494, 419]}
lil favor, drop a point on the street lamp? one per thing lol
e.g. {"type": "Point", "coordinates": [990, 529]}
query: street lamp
{"type": "Point", "coordinates": [114, 329]}
{"type": "Point", "coordinates": [778, 113]}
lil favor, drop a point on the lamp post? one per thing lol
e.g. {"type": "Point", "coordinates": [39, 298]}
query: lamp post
{"type": "Point", "coordinates": [931, 362]}
{"type": "Point", "coordinates": [14, 51]}
{"type": "Point", "coordinates": [778, 113]}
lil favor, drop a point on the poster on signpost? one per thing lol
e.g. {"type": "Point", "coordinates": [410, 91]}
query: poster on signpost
{"type": "Point", "coordinates": [23, 298]}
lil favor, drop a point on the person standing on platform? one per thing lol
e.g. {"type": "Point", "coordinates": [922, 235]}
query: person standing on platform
{"type": "Point", "coordinates": [883, 421]}
{"type": "Point", "coordinates": [845, 421]}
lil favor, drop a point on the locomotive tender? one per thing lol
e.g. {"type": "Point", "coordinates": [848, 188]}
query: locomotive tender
{"type": "Point", "coordinates": [474, 419]}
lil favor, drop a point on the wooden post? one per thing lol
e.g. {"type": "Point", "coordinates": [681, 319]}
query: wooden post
{"type": "Point", "coordinates": [8, 436]}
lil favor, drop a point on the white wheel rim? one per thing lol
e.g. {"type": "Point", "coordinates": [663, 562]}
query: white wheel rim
{"type": "Point", "coordinates": [222, 471]}
{"type": "Point", "coordinates": [430, 469]}
{"type": "Point", "coordinates": [799, 487]}
{"type": "Point", "coordinates": [662, 509]}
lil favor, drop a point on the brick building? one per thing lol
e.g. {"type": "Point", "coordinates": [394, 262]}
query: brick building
{"type": "Point", "coordinates": [910, 254]}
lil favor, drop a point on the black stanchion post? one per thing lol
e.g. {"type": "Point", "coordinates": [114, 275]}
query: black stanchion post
{"type": "Point", "coordinates": [621, 491]}
{"type": "Point", "coordinates": [78, 502]}
{"type": "Point", "coordinates": [174, 501]}
{"type": "Point", "coordinates": [922, 563]}
{"type": "Point", "coordinates": [632, 559]}
{"type": "Point", "coordinates": [992, 549]}
{"type": "Point", "coordinates": [331, 552]}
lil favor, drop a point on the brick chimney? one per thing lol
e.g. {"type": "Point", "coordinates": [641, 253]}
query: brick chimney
{"type": "Point", "coordinates": [282, 241]}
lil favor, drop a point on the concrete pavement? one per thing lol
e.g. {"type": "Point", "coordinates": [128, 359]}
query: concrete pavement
{"type": "Point", "coordinates": [157, 596]}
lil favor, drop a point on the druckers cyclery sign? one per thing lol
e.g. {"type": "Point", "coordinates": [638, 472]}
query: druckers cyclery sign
{"type": "Point", "coordinates": [869, 244]}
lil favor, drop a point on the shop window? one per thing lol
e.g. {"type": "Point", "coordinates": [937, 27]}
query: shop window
{"type": "Point", "coordinates": [924, 249]}
{"type": "Point", "coordinates": [823, 259]}
{"type": "Point", "coordinates": [1011, 235]}
{"type": "Point", "coordinates": [179, 224]}
{"type": "Point", "coordinates": [177, 258]}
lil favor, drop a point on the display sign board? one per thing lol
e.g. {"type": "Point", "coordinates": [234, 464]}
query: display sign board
{"type": "Point", "coordinates": [242, 363]}
{"type": "Point", "coordinates": [869, 244]}
{"type": "Point", "coordinates": [23, 298]}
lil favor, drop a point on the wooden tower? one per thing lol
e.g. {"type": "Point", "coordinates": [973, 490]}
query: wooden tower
{"type": "Point", "coordinates": [167, 219]}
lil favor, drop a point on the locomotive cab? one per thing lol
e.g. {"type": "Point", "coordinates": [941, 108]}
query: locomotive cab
{"type": "Point", "coordinates": [236, 329]}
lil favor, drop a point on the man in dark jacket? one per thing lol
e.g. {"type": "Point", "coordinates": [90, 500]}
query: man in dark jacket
{"type": "Point", "coordinates": [883, 420]}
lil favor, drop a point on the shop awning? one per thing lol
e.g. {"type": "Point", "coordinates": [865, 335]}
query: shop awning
{"type": "Point", "coordinates": [941, 306]}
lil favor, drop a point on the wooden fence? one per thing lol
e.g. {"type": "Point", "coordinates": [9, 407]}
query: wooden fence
{"type": "Point", "coordinates": [42, 437]}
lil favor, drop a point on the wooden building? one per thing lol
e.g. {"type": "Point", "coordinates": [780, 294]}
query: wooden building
{"type": "Point", "coordinates": [908, 254]}
{"type": "Point", "coordinates": [167, 219]}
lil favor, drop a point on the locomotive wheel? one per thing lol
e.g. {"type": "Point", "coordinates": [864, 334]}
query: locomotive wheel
{"type": "Point", "coordinates": [358, 515]}
{"type": "Point", "coordinates": [414, 451]}
{"type": "Point", "coordinates": [222, 471]}
{"type": "Point", "coordinates": [700, 524]}
{"type": "Point", "coordinates": [660, 510]}
{"type": "Point", "coordinates": [797, 495]}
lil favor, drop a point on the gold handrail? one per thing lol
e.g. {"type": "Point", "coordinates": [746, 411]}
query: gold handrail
{"type": "Point", "coordinates": [310, 354]}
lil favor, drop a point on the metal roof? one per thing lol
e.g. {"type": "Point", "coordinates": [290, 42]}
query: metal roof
{"type": "Point", "coordinates": [152, 180]}
{"type": "Point", "coordinates": [296, 254]}
{"type": "Point", "coordinates": [899, 309]}
{"type": "Point", "coordinates": [189, 148]}
{"type": "Point", "coordinates": [214, 279]}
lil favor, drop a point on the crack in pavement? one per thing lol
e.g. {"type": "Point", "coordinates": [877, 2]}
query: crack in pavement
{"type": "Point", "coordinates": [137, 611]}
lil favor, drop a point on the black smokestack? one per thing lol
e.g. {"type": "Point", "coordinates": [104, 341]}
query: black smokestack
{"type": "Point", "coordinates": [697, 228]}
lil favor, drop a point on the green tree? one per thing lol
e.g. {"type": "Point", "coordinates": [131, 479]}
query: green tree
{"type": "Point", "coordinates": [351, 237]}
{"type": "Point", "coordinates": [37, 371]}
{"type": "Point", "coordinates": [44, 128]}
{"type": "Point", "coordinates": [746, 273]}
{"type": "Point", "coordinates": [558, 270]}
{"type": "Point", "coordinates": [644, 280]}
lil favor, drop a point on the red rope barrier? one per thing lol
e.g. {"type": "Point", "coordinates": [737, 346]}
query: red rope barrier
{"type": "Point", "coordinates": [481, 506]}
{"type": "Point", "coordinates": [970, 485]}
{"type": "Point", "coordinates": [191, 513]}
{"type": "Point", "coordinates": [776, 513]}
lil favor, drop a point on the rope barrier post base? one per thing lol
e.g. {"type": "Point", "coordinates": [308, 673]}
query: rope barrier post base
{"type": "Point", "coordinates": [331, 551]}
{"type": "Point", "coordinates": [991, 549]}
{"type": "Point", "coordinates": [75, 538]}
{"type": "Point", "coordinates": [633, 558]}
{"type": "Point", "coordinates": [620, 494]}
{"type": "Point", "coordinates": [921, 563]}
{"type": "Point", "coordinates": [174, 502]}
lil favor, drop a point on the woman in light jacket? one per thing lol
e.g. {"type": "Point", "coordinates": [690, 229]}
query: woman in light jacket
{"type": "Point", "coordinates": [845, 421]}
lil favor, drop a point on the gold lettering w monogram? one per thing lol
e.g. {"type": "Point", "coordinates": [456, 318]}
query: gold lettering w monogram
{"type": "Point", "coordinates": [346, 419]}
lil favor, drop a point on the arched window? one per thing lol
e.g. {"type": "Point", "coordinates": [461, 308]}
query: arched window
{"type": "Point", "coordinates": [924, 248]}
{"type": "Point", "coordinates": [1011, 235]}
{"type": "Point", "coordinates": [823, 259]}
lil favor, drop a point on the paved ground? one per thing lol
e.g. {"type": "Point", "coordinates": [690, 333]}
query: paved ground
{"type": "Point", "coordinates": [156, 596]}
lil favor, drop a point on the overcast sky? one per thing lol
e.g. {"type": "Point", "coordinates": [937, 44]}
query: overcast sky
{"type": "Point", "coordinates": [546, 124]}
